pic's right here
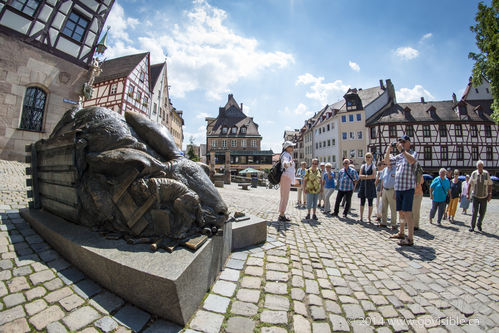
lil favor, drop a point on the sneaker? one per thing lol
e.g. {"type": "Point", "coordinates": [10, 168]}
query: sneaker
{"type": "Point", "coordinates": [334, 215]}
{"type": "Point", "coordinates": [479, 227]}
{"type": "Point", "coordinates": [394, 227]}
{"type": "Point", "coordinates": [471, 229]}
{"type": "Point", "coordinates": [314, 217]}
{"type": "Point", "coordinates": [345, 216]}
{"type": "Point", "coordinates": [307, 217]}
{"type": "Point", "coordinates": [416, 228]}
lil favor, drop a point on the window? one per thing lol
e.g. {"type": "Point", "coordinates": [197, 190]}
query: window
{"type": "Point", "coordinates": [146, 101]}
{"type": "Point", "coordinates": [142, 76]}
{"type": "Point", "coordinates": [344, 135]}
{"type": "Point", "coordinates": [359, 135]}
{"type": "Point", "coordinates": [234, 130]}
{"type": "Point", "coordinates": [28, 7]}
{"type": "Point", "coordinates": [243, 130]}
{"type": "Point", "coordinates": [409, 130]}
{"type": "Point", "coordinates": [442, 130]}
{"type": "Point", "coordinates": [489, 154]}
{"type": "Point", "coordinates": [130, 90]}
{"type": "Point", "coordinates": [155, 108]}
{"type": "Point", "coordinates": [359, 117]}
{"type": "Point", "coordinates": [459, 130]}
{"type": "Point", "coordinates": [224, 143]}
{"type": "Point", "coordinates": [139, 96]}
{"type": "Point", "coordinates": [360, 153]}
{"type": "Point", "coordinates": [316, 145]}
{"type": "Point", "coordinates": [373, 132]}
{"type": "Point", "coordinates": [75, 27]}
{"type": "Point", "coordinates": [427, 153]}
{"type": "Point", "coordinates": [253, 143]}
{"type": "Point", "coordinates": [350, 117]}
{"type": "Point", "coordinates": [320, 144]}
{"type": "Point", "coordinates": [474, 131]}
{"type": "Point", "coordinates": [243, 143]}
{"type": "Point", "coordinates": [224, 130]}
{"type": "Point", "coordinates": [487, 90]}
{"type": "Point", "coordinates": [444, 155]}
{"type": "Point", "coordinates": [474, 153]}
{"type": "Point", "coordinates": [329, 158]}
{"type": "Point", "coordinates": [460, 153]}
{"type": "Point", "coordinates": [324, 144]}
{"type": "Point", "coordinates": [343, 119]}
{"type": "Point", "coordinates": [488, 131]}
{"type": "Point", "coordinates": [344, 154]}
{"type": "Point", "coordinates": [233, 143]}
{"type": "Point", "coordinates": [426, 131]}
{"type": "Point", "coordinates": [328, 127]}
{"type": "Point", "coordinates": [392, 129]}
{"type": "Point", "coordinates": [476, 89]}
{"type": "Point", "coordinates": [334, 142]}
{"type": "Point", "coordinates": [352, 153]}
{"type": "Point", "coordinates": [334, 158]}
{"type": "Point", "coordinates": [114, 88]}
{"type": "Point", "coordinates": [33, 109]}
{"type": "Point", "coordinates": [214, 143]}
{"type": "Point", "coordinates": [352, 135]}
{"type": "Point", "coordinates": [329, 143]}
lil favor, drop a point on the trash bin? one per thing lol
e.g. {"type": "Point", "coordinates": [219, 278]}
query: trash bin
{"type": "Point", "coordinates": [254, 181]}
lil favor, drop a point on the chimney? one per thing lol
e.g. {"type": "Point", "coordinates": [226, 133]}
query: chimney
{"type": "Point", "coordinates": [422, 100]}
{"type": "Point", "coordinates": [381, 85]}
{"type": "Point", "coordinates": [454, 99]}
{"type": "Point", "coordinates": [241, 106]}
{"type": "Point", "coordinates": [391, 91]}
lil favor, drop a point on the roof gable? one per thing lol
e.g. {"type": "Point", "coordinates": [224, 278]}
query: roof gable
{"type": "Point", "coordinates": [119, 67]}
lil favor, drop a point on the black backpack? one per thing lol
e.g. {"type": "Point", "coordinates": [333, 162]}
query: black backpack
{"type": "Point", "coordinates": [275, 173]}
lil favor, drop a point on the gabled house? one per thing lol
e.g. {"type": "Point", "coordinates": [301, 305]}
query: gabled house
{"type": "Point", "coordinates": [46, 49]}
{"type": "Point", "coordinates": [124, 84]}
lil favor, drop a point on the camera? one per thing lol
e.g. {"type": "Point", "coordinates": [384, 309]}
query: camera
{"type": "Point", "coordinates": [394, 144]}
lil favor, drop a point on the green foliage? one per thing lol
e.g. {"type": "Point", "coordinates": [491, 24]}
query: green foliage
{"type": "Point", "coordinates": [190, 152]}
{"type": "Point", "coordinates": [487, 40]}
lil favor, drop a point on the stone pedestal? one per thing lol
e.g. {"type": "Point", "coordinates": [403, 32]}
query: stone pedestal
{"type": "Point", "coordinates": [170, 285]}
{"type": "Point", "coordinates": [248, 232]}
{"type": "Point", "coordinates": [227, 168]}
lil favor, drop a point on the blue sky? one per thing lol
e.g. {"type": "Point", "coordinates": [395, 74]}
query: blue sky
{"type": "Point", "coordinates": [284, 60]}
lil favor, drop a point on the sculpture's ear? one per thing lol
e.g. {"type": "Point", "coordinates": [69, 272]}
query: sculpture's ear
{"type": "Point", "coordinates": [205, 167]}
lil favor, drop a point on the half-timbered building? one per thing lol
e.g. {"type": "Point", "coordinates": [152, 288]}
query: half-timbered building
{"type": "Point", "coordinates": [236, 135]}
{"type": "Point", "coordinates": [124, 84]}
{"type": "Point", "coordinates": [46, 49]}
{"type": "Point", "coordinates": [451, 134]}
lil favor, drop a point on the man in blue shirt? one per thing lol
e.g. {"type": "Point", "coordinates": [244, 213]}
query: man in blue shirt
{"type": "Point", "coordinates": [388, 197]}
{"type": "Point", "coordinates": [347, 178]}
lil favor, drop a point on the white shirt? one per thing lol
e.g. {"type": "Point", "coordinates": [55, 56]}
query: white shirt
{"type": "Point", "coordinates": [288, 166]}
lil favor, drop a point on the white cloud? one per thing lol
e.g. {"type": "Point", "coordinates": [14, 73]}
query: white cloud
{"type": "Point", "coordinates": [198, 137]}
{"type": "Point", "coordinates": [322, 92]}
{"type": "Point", "coordinates": [202, 115]}
{"type": "Point", "coordinates": [203, 52]}
{"type": "Point", "coordinates": [119, 23]}
{"type": "Point", "coordinates": [300, 110]}
{"type": "Point", "coordinates": [405, 95]}
{"type": "Point", "coordinates": [406, 53]}
{"type": "Point", "coordinates": [426, 36]}
{"type": "Point", "coordinates": [354, 66]}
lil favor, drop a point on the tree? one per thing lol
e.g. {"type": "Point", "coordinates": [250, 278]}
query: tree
{"type": "Point", "coordinates": [487, 40]}
{"type": "Point", "coordinates": [190, 151]}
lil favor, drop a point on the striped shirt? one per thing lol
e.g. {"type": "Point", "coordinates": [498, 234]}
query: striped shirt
{"type": "Point", "coordinates": [404, 174]}
{"type": "Point", "coordinates": [344, 181]}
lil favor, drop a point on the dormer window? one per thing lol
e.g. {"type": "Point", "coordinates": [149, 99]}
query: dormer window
{"type": "Point", "coordinates": [243, 130]}
{"type": "Point", "coordinates": [234, 130]}
{"type": "Point", "coordinates": [142, 76]}
{"type": "Point", "coordinates": [224, 130]}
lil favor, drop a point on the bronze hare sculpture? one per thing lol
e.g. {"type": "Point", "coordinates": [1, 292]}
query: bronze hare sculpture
{"type": "Point", "coordinates": [133, 181]}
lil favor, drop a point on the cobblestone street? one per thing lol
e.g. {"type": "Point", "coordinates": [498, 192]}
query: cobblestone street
{"type": "Point", "coordinates": [321, 276]}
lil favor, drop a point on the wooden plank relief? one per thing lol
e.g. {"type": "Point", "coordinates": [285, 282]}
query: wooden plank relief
{"type": "Point", "coordinates": [64, 194]}
{"type": "Point", "coordinates": [68, 212]}
{"type": "Point", "coordinates": [65, 178]}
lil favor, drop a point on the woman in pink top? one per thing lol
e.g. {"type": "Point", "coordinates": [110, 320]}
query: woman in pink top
{"type": "Point", "coordinates": [465, 203]}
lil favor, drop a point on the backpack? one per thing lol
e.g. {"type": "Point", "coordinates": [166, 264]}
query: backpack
{"type": "Point", "coordinates": [275, 173]}
{"type": "Point", "coordinates": [418, 172]}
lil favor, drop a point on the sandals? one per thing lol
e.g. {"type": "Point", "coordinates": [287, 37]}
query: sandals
{"type": "Point", "coordinates": [406, 242]}
{"type": "Point", "coordinates": [397, 236]}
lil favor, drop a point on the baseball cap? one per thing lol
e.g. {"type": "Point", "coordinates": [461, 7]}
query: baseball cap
{"type": "Point", "coordinates": [288, 144]}
{"type": "Point", "coordinates": [405, 138]}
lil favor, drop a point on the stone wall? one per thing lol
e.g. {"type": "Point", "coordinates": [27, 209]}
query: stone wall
{"type": "Point", "coordinates": [22, 66]}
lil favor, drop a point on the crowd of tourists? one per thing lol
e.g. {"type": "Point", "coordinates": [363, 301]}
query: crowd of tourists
{"type": "Point", "coordinates": [391, 182]}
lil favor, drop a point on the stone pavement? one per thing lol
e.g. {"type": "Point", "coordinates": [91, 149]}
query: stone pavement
{"type": "Point", "coordinates": [330, 275]}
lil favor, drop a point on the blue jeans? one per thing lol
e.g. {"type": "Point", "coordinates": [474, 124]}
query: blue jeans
{"type": "Point", "coordinates": [312, 200]}
{"type": "Point", "coordinates": [441, 209]}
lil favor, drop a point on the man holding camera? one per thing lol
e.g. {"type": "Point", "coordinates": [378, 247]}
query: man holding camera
{"type": "Point", "coordinates": [405, 183]}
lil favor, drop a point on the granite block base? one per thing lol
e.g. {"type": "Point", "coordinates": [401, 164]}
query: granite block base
{"type": "Point", "coordinates": [170, 285]}
{"type": "Point", "coordinates": [249, 232]}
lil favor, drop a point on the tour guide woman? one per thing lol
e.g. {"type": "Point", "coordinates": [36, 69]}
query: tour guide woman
{"type": "Point", "coordinates": [439, 189]}
{"type": "Point", "coordinates": [287, 178]}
